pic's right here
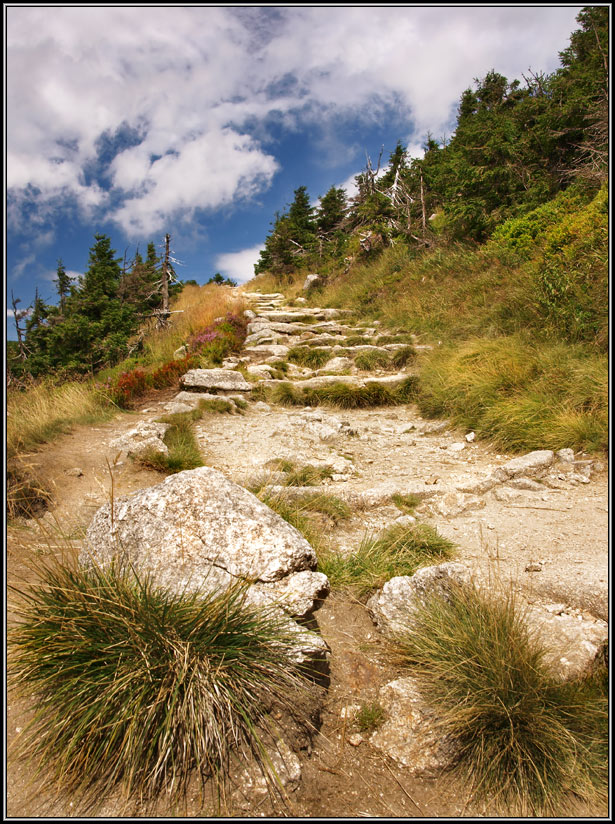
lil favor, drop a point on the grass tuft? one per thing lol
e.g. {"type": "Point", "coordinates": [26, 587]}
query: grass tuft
{"type": "Point", "coordinates": [139, 688]}
{"type": "Point", "coordinates": [370, 361]}
{"type": "Point", "coordinates": [525, 738]}
{"type": "Point", "coordinates": [311, 357]}
{"type": "Point", "coordinates": [370, 716]}
{"type": "Point", "coordinates": [183, 449]}
{"type": "Point", "coordinates": [400, 550]}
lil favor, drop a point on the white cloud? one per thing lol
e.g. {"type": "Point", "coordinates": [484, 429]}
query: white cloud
{"type": "Point", "coordinates": [20, 268]}
{"type": "Point", "coordinates": [197, 84]}
{"type": "Point", "coordinates": [239, 265]}
{"type": "Point", "coordinates": [208, 172]}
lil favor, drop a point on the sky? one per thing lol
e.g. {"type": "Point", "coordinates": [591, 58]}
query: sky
{"type": "Point", "coordinates": [201, 121]}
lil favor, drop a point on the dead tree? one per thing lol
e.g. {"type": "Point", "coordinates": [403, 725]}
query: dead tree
{"type": "Point", "coordinates": [18, 316]}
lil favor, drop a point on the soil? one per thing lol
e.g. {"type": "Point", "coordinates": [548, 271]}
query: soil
{"type": "Point", "coordinates": [563, 526]}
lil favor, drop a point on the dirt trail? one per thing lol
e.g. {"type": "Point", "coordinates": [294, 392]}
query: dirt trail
{"type": "Point", "coordinates": [551, 538]}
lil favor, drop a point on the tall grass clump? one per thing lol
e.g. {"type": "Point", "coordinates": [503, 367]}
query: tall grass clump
{"type": "Point", "coordinates": [135, 687]}
{"type": "Point", "coordinates": [520, 394]}
{"type": "Point", "coordinates": [525, 739]}
{"type": "Point", "coordinates": [344, 396]}
{"type": "Point", "coordinates": [399, 550]}
{"type": "Point", "coordinates": [369, 361]}
{"type": "Point", "coordinates": [182, 447]}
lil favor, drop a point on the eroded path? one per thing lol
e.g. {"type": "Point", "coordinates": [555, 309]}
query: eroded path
{"type": "Point", "coordinates": [543, 526]}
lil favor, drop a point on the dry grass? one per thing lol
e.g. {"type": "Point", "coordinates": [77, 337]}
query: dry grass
{"type": "Point", "coordinates": [141, 688]}
{"type": "Point", "coordinates": [46, 409]}
{"type": "Point", "coordinates": [199, 307]}
{"type": "Point", "coordinates": [525, 739]}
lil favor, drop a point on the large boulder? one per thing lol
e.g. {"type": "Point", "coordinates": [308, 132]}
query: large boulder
{"type": "Point", "coordinates": [199, 531]}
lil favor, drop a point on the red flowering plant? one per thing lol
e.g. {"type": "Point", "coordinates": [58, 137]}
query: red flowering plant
{"type": "Point", "coordinates": [129, 385]}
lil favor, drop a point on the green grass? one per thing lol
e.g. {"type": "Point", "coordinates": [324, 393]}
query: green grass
{"type": "Point", "coordinates": [311, 357]}
{"type": "Point", "coordinates": [400, 550]}
{"type": "Point", "coordinates": [342, 396]}
{"type": "Point", "coordinates": [406, 503]}
{"type": "Point", "coordinates": [311, 513]}
{"type": "Point", "coordinates": [183, 449]}
{"type": "Point", "coordinates": [358, 340]}
{"type": "Point", "coordinates": [369, 361]}
{"type": "Point", "coordinates": [402, 357]}
{"type": "Point", "coordinates": [133, 686]}
{"type": "Point", "coordinates": [525, 739]}
{"type": "Point", "coordinates": [370, 716]}
{"type": "Point", "coordinates": [308, 475]}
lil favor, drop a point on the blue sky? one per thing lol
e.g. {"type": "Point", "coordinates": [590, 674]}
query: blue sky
{"type": "Point", "coordinates": [201, 121]}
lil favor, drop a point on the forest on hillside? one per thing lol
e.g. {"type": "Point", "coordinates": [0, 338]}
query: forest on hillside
{"type": "Point", "coordinates": [517, 147]}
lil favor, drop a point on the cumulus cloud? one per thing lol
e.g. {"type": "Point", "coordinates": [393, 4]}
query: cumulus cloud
{"type": "Point", "coordinates": [194, 87]}
{"type": "Point", "coordinates": [239, 265]}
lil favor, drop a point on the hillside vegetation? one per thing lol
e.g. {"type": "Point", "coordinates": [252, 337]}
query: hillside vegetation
{"type": "Point", "coordinates": [492, 248]}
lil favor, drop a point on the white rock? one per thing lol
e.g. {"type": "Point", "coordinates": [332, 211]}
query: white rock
{"type": "Point", "coordinates": [531, 464]}
{"type": "Point", "coordinates": [565, 455]}
{"type": "Point", "coordinates": [145, 436]}
{"type": "Point", "coordinates": [225, 379]}
{"type": "Point", "coordinates": [393, 606]}
{"type": "Point", "coordinates": [198, 530]}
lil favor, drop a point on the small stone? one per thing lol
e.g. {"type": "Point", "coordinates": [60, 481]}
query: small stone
{"type": "Point", "coordinates": [349, 711]}
{"type": "Point", "coordinates": [355, 739]}
{"type": "Point", "coordinates": [457, 447]}
{"type": "Point", "coordinates": [470, 437]}
{"type": "Point", "coordinates": [74, 473]}
{"type": "Point", "coordinates": [534, 566]}
{"type": "Point", "coordinates": [565, 455]}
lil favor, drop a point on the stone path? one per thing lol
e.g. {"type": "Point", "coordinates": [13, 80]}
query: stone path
{"type": "Point", "coordinates": [540, 519]}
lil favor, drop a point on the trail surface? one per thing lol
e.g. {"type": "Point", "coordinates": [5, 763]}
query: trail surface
{"type": "Point", "coordinates": [549, 535]}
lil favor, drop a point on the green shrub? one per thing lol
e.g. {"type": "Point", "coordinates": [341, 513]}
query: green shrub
{"type": "Point", "coordinates": [525, 738]}
{"type": "Point", "coordinates": [136, 686]}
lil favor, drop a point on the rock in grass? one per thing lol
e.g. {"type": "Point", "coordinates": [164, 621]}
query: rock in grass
{"type": "Point", "coordinates": [391, 608]}
{"type": "Point", "coordinates": [198, 530]}
{"type": "Point", "coordinates": [146, 436]}
{"type": "Point", "coordinates": [217, 379]}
